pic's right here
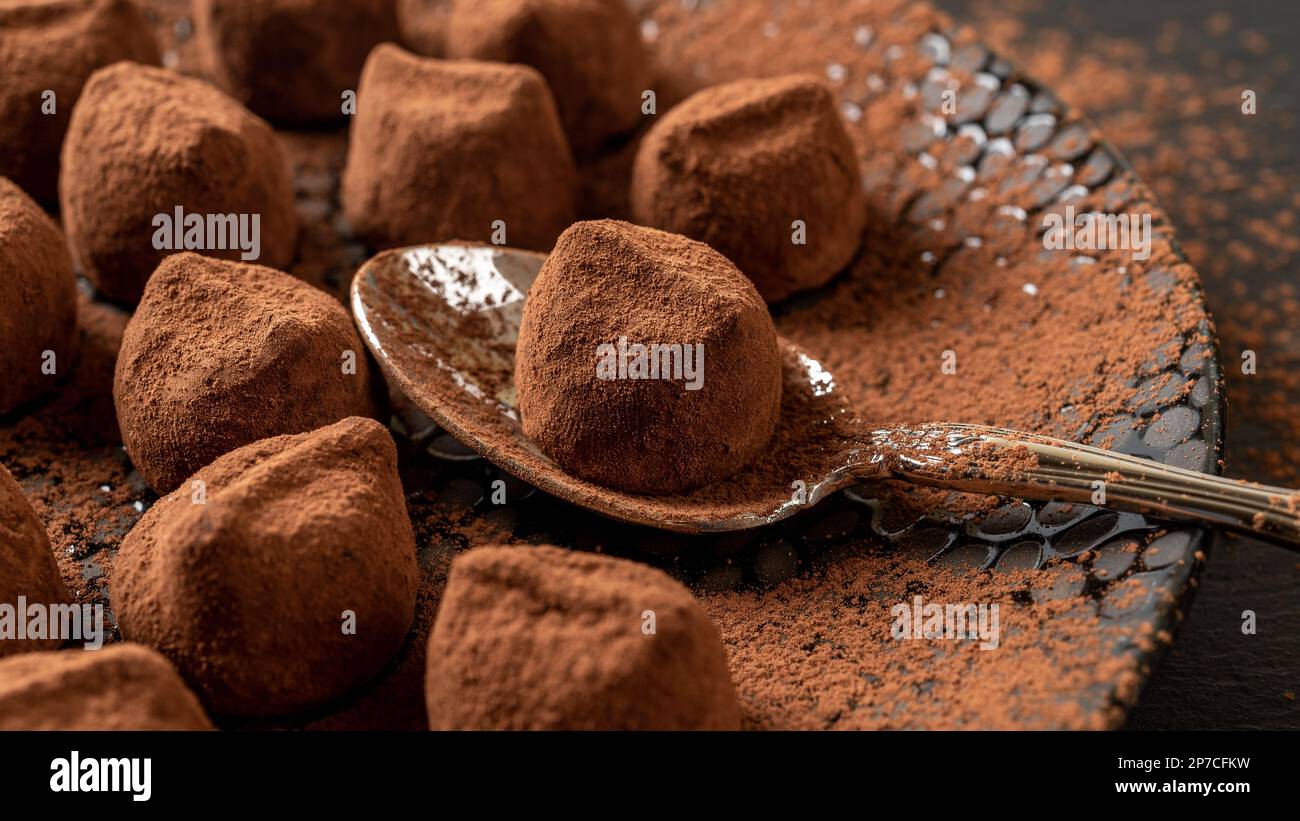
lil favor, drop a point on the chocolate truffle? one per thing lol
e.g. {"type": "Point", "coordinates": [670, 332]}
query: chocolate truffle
{"type": "Point", "coordinates": [541, 638]}
{"type": "Point", "coordinates": [589, 51]}
{"type": "Point", "coordinates": [147, 145]}
{"type": "Point", "coordinates": [423, 26]}
{"type": "Point", "coordinates": [221, 354]}
{"type": "Point", "coordinates": [27, 566]}
{"type": "Point", "coordinates": [119, 687]}
{"type": "Point", "coordinates": [762, 170]}
{"type": "Point", "coordinates": [38, 311]}
{"type": "Point", "coordinates": [291, 60]}
{"type": "Point", "coordinates": [292, 583]}
{"type": "Point", "coordinates": [444, 150]}
{"type": "Point", "coordinates": [52, 46]}
{"type": "Point", "coordinates": [646, 362]}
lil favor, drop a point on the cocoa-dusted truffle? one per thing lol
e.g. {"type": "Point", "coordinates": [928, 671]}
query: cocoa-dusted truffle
{"type": "Point", "coordinates": [291, 60]}
{"type": "Point", "coordinates": [589, 51]}
{"type": "Point", "coordinates": [541, 638]}
{"type": "Point", "coordinates": [38, 310]}
{"type": "Point", "coordinates": [146, 146]}
{"type": "Point", "coordinates": [445, 150]}
{"type": "Point", "coordinates": [291, 583]}
{"type": "Point", "coordinates": [27, 566]}
{"type": "Point", "coordinates": [762, 170]}
{"type": "Point", "coordinates": [119, 687]}
{"type": "Point", "coordinates": [646, 362]}
{"type": "Point", "coordinates": [221, 354]}
{"type": "Point", "coordinates": [423, 26]}
{"type": "Point", "coordinates": [53, 46]}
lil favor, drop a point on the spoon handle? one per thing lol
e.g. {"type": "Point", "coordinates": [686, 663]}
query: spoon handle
{"type": "Point", "coordinates": [995, 461]}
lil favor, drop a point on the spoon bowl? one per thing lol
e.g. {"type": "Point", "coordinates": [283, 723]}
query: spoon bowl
{"type": "Point", "coordinates": [442, 321]}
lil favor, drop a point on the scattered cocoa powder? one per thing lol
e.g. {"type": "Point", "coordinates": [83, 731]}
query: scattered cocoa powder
{"type": "Point", "coordinates": [38, 315]}
{"type": "Point", "coordinates": [220, 354]}
{"type": "Point", "coordinates": [446, 150]}
{"type": "Point", "coordinates": [291, 582]}
{"type": "Point", "coordinates": [51, 47]}
{"type": "Point", "coordinates": [762, 170]}
{"type": "Point", "coordinates": [123, 687]}
{"type": "Point", "coordinates": [696, 415]}
{"type": "Point", "coordinates": [291, 61]}
{"type": "Point", "coordinates": [543, 638]}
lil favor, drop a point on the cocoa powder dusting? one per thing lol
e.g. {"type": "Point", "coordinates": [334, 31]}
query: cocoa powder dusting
{"type": "Point", "coordinates": [698, 413]}
{"type": "Point", "coordinates": [49, 48]}
{"type": "Point", "coordinates": [221, 354]}
{"type": "Point", "coordinates": [543, 638]}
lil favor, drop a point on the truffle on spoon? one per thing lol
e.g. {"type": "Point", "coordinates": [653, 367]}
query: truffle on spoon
{"type": "Point", "coordinates": [443, 322]}
{"type": "Point", "coordinates": [646, 361]}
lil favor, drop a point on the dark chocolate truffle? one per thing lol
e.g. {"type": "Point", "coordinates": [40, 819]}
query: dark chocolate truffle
{"type": "Point", "coordinates": [27, 566]}
{"type": "Point", "coordinates": [443, 150]}
{"type": "Point", "coordinates": [291, 584]}
{"type": "Point", "coordinates": [221, 354]}
{"type": "Point", "coordinates": [589, 51]}
{"type": "Point", "coordinates": [423, 26]}
{"type": "Point", "coordinates": [53, 46]}
{"type": "Point", "coordinates": [762, 170]}
{"type": "Point", "coordinates": [119, 687]}
{"type": "Point", "coordinates": [38, 309]}
{"type": "Point", "coordinates": [540, 638]}
{"type": "Point", "coordinates": [144, 144]}
{"type": "Point", "coordinates": [290, 61]}
{"type": "Point", "coordinates": [646, 362]}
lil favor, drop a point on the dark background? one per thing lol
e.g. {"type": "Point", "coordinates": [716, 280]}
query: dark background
{"type": "Point", "coordinates": [1213, 677]}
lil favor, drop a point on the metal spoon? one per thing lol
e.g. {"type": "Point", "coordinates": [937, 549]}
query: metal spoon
{"type": "Point", "coordinates": [442, 321]}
